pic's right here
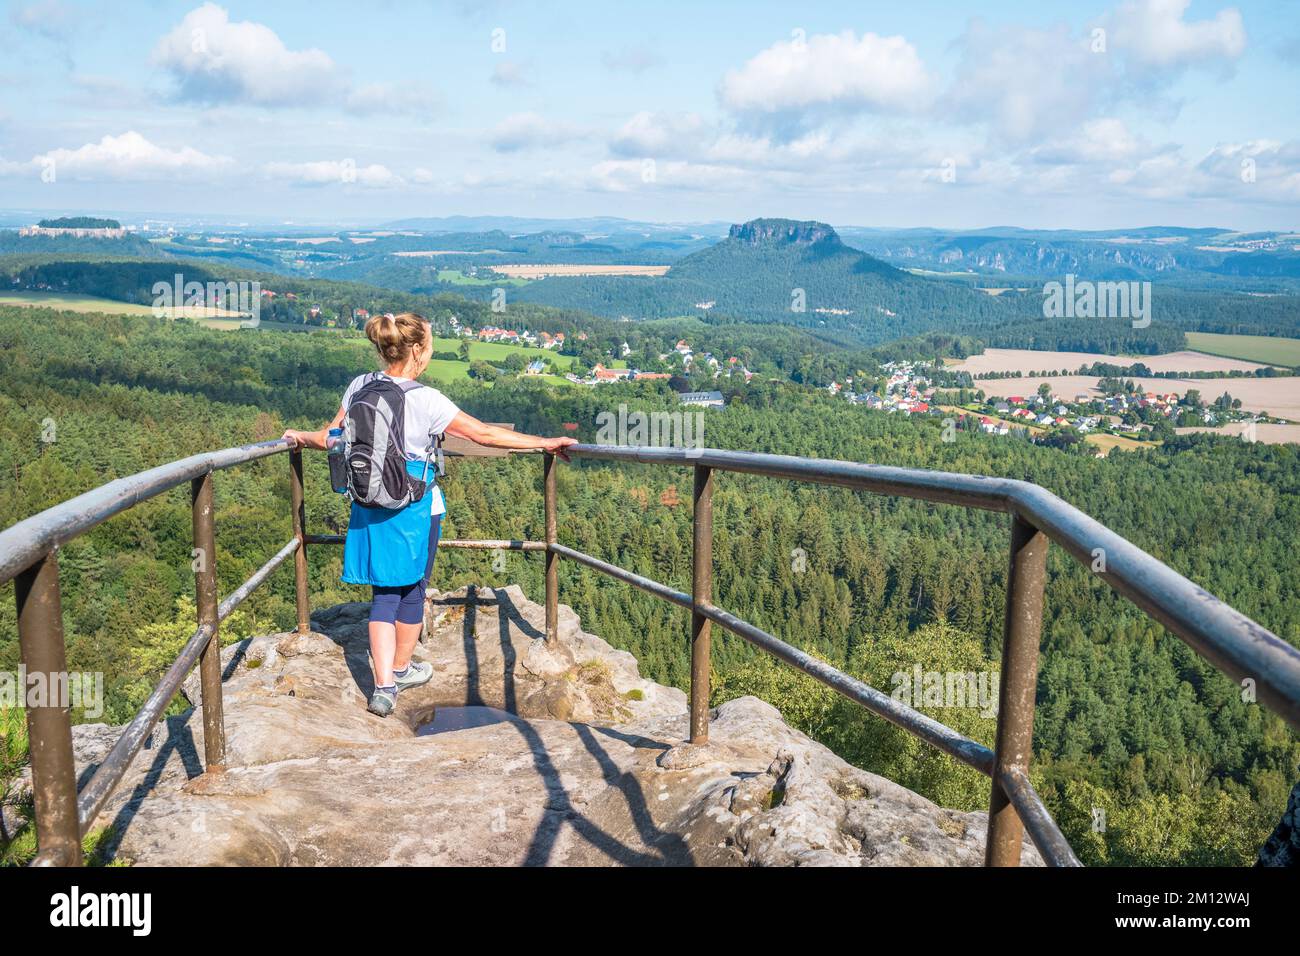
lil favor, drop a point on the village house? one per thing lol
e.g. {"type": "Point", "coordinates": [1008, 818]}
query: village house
{"type": "Point", "coordinates": [602, 374]}
{"type": "Point", "coordinates": [703, 399]}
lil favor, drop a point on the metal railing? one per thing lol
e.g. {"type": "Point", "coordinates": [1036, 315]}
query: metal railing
{"type": "Point", "coordinates": [1231, 641]}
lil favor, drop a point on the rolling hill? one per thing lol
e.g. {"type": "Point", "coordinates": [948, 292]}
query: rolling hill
{"type": "Point", "coordinates": [792, 272]}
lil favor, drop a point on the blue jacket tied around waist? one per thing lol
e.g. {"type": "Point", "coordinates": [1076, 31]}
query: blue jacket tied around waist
{"type": "Point", "coordinates": [387, 548]}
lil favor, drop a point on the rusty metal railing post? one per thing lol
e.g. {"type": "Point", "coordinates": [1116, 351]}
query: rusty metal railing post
{"type": "Point", "coordinates": [299, 532]}
{"type": "Point", "coordinates": [205, 599]}
{"type": "Point", "coordinates": [49, 721]}
{"type": "Point", "coordinates": [552, 559]}
{"type": "Point", "coordinates": [1021, 633]}
{"type": "Point", "coordinates": [701, 593]}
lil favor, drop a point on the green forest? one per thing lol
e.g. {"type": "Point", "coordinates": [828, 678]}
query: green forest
{"type": "Point", "coordinates": [1129, 720]}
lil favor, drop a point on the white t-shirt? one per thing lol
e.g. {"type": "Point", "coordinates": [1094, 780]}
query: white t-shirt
{"type": "Point", "coordinates": [427, 410]}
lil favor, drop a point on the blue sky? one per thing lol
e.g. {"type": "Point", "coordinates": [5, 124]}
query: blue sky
{"type": "Point", "coordinates": [1046, 114]}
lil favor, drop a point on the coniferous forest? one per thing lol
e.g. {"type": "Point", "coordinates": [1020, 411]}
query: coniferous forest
{"type": "Point", "coordinates": [1129, 720]}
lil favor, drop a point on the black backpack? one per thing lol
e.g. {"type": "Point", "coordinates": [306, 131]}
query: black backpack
{"type": "Point", "coordinates": [374, 433]}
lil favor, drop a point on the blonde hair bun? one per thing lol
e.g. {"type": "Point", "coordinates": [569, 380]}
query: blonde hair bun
{"type": "Point", "coordinates": [396, 336]}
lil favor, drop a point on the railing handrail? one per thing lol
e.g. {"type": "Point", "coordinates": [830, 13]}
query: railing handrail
{"type": "Point", "coordinates": [26, 542]}
{"type": "Point", "coordinates": [1229, 639]}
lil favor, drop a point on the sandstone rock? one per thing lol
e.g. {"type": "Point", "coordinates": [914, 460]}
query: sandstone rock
{"type": "Point", "coordinates": [581, 772]}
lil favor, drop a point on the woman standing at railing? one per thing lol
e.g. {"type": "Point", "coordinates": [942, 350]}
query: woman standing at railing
{"type": "Point", "coordinates": [392, 548]}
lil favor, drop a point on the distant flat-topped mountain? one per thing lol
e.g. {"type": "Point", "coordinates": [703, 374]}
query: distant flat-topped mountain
{"type": "Point", "coordinates": [790, 231]}
{"type": "Point", "coordinates": [789, 249]}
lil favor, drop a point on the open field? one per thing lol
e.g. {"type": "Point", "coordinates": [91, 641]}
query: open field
{"type": "Point", "coordinates": [1108, 443]}
{"type": "Point", "coordinates": [456, 277]}
{"type": "Point", "coordinates": [444, 371]}
{"type": "Point", "coordinates": [1029, 360]}
{"type": "Point", "coordinates": [74, 302]}
{"type": "Point", "coordinates": [1277, 396]}
{"type": "Point", "coordinates": [1256, 348]}
{"type": "Point", "coordinates": [1264, 432]}
{"type": "Point", "coordinates": [496, 352]}
{"type": "Point", "coordinates": [542, 271]}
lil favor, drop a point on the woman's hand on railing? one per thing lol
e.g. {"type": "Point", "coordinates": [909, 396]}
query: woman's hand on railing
{"type": "Point", "coordinates": [303, 439]}
{"type": "Point", "coordinates": [557, 446]}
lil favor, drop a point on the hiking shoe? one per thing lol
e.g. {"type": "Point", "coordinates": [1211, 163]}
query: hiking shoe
{"type": "Point", "coordinates": [416, 674]}
{"type": "Point", "coordinates": [382, 702]}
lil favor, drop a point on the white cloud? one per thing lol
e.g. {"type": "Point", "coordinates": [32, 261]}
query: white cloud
{"type": "Point", "coordinates": [511, 73]}
{"type": "Point", "coordinates": [829, 74]}
{"type": "Point", "coordinates": [689, 137]}
{"type": "Point", "coordinates": [332, 172]}
{"type": "Point", "coordinates": [1029, 84]}
{"type": "Point", "coordinates": [8, 168]}
{"type": "Point", "coordinates": [51, 19]}
{"type": "Point", "coordinates": [1025, 83]}
{"type": "Point", "coordinates": [130, 157]}
{"type": "Point", "coordinates": [627, 175]}
{"type": "Point", "coordinates": [1106, 140]}
{"type": "Point", "coordinates": [690, 151]}
{"type": "Point", "coordinates": [1105, 160]}
{"type": "Point", "coordinates": [215, 59]}
{"type": "Point", "coordinates": [1270, 167]}
{"type": "Point", "coordinates": [662, 134]}
{"type": "Point", "coordinates": [522, 131]}
{"type": "Point", "coordinates": [1154, 33]}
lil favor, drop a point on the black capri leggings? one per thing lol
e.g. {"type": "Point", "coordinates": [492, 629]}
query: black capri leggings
{"type": "Point", "coordinates": [405, 604]}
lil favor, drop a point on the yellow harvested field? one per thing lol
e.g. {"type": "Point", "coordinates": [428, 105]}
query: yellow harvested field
{"type": "Point", "coordinates": [1108, 443]}
{"type": "Point", "coordinates": [1264, 432]}
{"type": "Point", "coordinates": [75, 302]}
{"type": "Point", "coordinates": [1279, 397]}
{"type": "Point", "coordinates": [1029, 360]}
{"type": "Point", "coordinates": [542, 271]}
